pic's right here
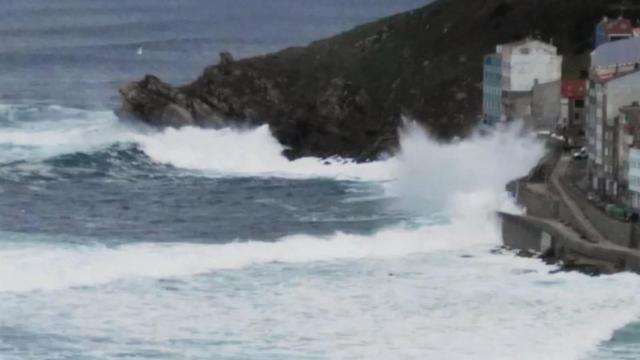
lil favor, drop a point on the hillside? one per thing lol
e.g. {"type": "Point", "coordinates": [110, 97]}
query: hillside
{"type": "Point", "coordinates": [345, 95]}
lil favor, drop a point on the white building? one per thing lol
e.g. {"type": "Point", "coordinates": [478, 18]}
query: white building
{"type": "Point", "coordinates": [527, 63]}
{"type": "Point", "coordinates": [606, 98]}
{"type": "Point", "coordinates": [527, 86]}
{"type": "Point", "coordinates": [634, 178]}
{"type": "Point", "coordinates": [615, 58]}
{"type": "Point", "coordinates": [615, 83]}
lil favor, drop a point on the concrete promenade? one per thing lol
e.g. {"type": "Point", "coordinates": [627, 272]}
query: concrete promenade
{"type": "Point", "coordinates": [566, 235]}
{"type": "Point", "coordinates": [584, 224]}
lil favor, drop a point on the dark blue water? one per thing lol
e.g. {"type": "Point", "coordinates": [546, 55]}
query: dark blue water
{"type": "Point", "coordinates": [77, 52]}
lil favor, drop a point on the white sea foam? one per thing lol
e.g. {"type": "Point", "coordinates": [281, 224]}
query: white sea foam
{"type": "Point", "coordinates": [248, 152]}
{"type": "Point", "coordinates": [436, 304]}
{"type": "Point", "coordinates": [47, 266]}
{"type": "Point", "coordinates": [469, 175]}
{"type": "Point", "coordinates": [461, 173]}
{"type": "Point", "coordinates": [355, 297]}
{"type": "Point", "coordinates": [39, 132]}
{"type": "Point", "coordinates": [36, 133]}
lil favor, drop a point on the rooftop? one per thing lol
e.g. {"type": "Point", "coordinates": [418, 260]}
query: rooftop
{"type": "Point", "coordinates": [616, 53]}
{"type": "Point", "coordinates": [617, 26]}
{"type": "Point", "coordinates": [539, 44]}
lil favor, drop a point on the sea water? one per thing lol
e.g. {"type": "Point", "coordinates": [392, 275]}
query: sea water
{"type": "Point", "coordinates": [121, 242]}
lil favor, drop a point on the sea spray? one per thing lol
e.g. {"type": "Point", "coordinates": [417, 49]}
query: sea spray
{"type": "Point", "coordinates": [232, 152]}
{"type": "Point", "coordinates": [32, 133]}
{"type": "Point", "coordinates": [463, 175]}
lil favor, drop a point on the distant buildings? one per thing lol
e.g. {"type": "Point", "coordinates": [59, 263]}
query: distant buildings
{"type": "Point", "coordinates": [522, 81]}
{"type": "Point", "coordinates": [527, 63]}
{"type": "Point", "coordinates": [632, 132]}
{"type": "Point", "coordinates": [606, 98]}
{"type": "Point", "coordinates": [572, 110]}
{"type": "Point", "coordinates": [629, 155]}
{"type": "Point", "coordinates": [609, 30]}
{"type": "Point", "coordinates": [614, 83]}
{"type": "Point", "coordinates": [492, 88]}
{"type": "Point", "coordinates": [615, 59]}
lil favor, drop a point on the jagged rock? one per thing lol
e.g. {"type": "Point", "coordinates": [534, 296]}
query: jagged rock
{"type": "Point", "coordinates": [175, 115]}
{"type": "Point", "coordinates": [200, 109]}
{"type": "Point", "coordinates": [226, 60]}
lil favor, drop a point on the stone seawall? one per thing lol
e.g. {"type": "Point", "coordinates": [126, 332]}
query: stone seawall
{"type": "Point", "coordinates": [537, 201]}
{"type": "Point", "coordinates": [559, 243]}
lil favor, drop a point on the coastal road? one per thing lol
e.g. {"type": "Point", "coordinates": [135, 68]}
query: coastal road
{"type": "Point", "coordinates": [584, 223]}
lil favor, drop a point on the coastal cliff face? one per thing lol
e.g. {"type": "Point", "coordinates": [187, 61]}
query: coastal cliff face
{"type": "Point", "coordinates": [346, 95]}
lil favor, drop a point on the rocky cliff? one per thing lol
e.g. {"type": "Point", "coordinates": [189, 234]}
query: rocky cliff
{"type": "Point", "coordinates": [346, 95]}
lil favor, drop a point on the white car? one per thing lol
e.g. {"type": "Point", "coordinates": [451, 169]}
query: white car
{"type": "Point", "coordinates": [581, 154]}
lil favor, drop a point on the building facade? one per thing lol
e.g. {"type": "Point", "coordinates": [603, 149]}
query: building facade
{"type": "Point", "coordinates": [492, 88]}
{"type": "Point", "coordinates": [605, 101]}
{"type": "Point", "coordinates": [545, 106]}
{"type": "Point", "coordinates": [634, 178]}
{"type": "Point", "coordinates": [572, 113]}
{"type": "Point", "coordinates": [527, 63]}
{"type": "Point", "coordinates": [629, 155]}
{"type": "Point", "coordinates": [526, 86]}
{"type": "Point", "coordinates": [614, 83]}
{"type": "Point", "coordinates": [615, 59]}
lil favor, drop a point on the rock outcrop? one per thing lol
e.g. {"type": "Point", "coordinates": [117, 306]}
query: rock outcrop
{"type": "Point", "coordinates": [346, 95]}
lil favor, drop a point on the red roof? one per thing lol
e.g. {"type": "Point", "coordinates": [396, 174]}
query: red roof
{"type": "Point", "coordinates": [574, 89]}
{"type": "Point", "coordinates": [618, 26]}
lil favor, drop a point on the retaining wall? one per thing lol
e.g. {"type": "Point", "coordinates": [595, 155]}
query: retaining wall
{"type": "Point", "coordinates": [616, 231]}
{"type": "Point", "coordinates": [527, 233]}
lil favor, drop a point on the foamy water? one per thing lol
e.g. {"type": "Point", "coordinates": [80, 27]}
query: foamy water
{"type": "Point", "coordinates": [248, 152]}
{"type": "Point", "coordinates": [428, 284]}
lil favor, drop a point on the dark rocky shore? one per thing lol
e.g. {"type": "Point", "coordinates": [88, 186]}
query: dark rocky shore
{"type": "Point", "coordinates": [346, 95]}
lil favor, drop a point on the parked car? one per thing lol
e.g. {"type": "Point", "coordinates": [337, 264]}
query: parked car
{"type": "Point", "coordinates": [580, 154]}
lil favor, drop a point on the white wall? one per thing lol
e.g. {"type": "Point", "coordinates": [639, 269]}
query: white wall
{"type": "Point", "coordinates": [622, 92]}
{"type": "Point", "coordinates": [525, 63]}
{"type": "Point", "coordinates": [526, 69]}
{"type": "Point", "coordinates": [634, 170]}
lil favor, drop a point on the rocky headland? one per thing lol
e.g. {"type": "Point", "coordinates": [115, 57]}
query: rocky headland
{"type": "Point", "coordinates": [346, 95]}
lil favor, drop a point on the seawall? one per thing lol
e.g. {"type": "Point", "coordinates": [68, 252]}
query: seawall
{"type": "Point", "coordinates": [558, 243]}
{"type": "Point", "coordinates": [563, 226]}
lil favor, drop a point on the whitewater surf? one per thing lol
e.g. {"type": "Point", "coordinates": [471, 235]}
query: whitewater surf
{"type": "Point", "coordinates": [126, 239]}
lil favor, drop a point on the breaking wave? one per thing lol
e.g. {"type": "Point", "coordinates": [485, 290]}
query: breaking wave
{"type": "Point", "coordinates": [467, 176]}
{"type": "Point", "coordinates": [248, 152]}
{"type": "Point", "coordinates": [43, 266]}
{"type": "Point", "coordinates": [512, 299]}
{"type": "Point", "coordinates": [37, 133]}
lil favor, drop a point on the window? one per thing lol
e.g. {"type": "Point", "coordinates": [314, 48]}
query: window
{"type": "Point", "coordinates": [579, 103]}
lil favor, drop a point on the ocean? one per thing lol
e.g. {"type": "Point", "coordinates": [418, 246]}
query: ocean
{"type": "Point", "coordinates": [124, 242]}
